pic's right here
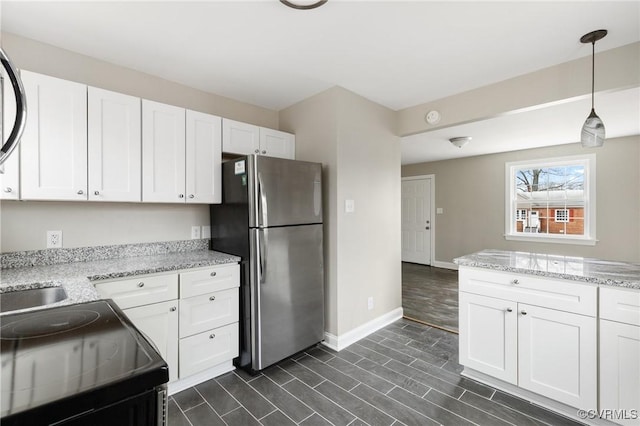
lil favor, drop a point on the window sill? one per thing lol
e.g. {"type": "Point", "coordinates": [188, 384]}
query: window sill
{"type": "Point", "coordinates": [552, 240]}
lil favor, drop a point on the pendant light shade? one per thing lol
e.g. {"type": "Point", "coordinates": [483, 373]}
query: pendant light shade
{"type": "Point", "coordinates": [593, 133]}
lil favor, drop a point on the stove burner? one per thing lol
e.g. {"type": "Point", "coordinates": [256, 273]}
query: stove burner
{"type": "Point", "coordinates": [47, 324]}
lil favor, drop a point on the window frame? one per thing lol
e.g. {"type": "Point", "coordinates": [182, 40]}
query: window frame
{"type": "Point", "coordinates": [589, 163]}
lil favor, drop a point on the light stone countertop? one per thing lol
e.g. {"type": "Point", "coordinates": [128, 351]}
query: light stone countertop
{"type": "Point", "coordinates": [596, 271]}
{"type": "Point", "coordinates": [78, 278]}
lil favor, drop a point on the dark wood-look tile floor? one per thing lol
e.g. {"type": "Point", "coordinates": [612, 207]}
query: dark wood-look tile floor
{"type": "Point", "coordinates": [404, 374]}
{"type": "Point", "coordinates": [430, 295]}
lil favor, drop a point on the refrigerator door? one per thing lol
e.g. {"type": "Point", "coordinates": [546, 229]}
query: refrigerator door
{"type": "Point", "coordinates": [287, 292]}
{"type": "Point", "coordinates": [287, 192]}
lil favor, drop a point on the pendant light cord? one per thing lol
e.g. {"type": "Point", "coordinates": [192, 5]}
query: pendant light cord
{"type": "Point", "coordinates": [593, 70]}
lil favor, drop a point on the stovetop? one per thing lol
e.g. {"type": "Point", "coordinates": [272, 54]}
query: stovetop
{"type": "Point", "coordinates": [73, 356]}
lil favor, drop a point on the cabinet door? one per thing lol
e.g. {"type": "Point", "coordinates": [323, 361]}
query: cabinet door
{"type": "Point", "coordinates": [274, 143]}
{"type": "Point", "coordinates": [10, 170]}
{"type": "Point", "coordinates": [114, 146]}
{"type": "Point", "coordinates": [208, 311]}
{"type": "Point", "coordinates": [141, 290]}
{"type": "Point", "coordinates": [488, 336]}
{"type": "Point", "coordinates": [163, 153]}
{"type": "Point", "coordinates": [208, 349]}
{"type": "Point", "coordinates": [53, 161]}
{"type": "Point", "coordinates": [620, 369]}
{"type": "Point", "coordinates": [159, 322]}
{"type": "Point", "coordinates": [240, 138]}
{"type": "Point", "coordinates": [557, 355]}
{"type": "Point", "coordinates": [204, 158]}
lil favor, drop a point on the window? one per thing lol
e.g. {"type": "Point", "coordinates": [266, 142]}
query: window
{"type": "Point", "coordinates": [551, 200]}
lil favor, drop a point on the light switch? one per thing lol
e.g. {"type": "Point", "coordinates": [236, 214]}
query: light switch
{"type": "Point", "coordinates": [439, 210]}
{"type": "Point", "coordinates": [349, 206]}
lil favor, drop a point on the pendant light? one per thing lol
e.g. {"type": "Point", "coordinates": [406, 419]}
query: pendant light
{"type": "Point", "coordinates": [593, 133]}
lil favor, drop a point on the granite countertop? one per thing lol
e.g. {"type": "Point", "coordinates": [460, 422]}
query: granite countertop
{"type": "Point", "coordinates": [78, 278]}
{"type": "Point", "coordinates": [596, 271]}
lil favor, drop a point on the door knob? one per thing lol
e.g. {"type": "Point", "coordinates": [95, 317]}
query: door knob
{"type": "Point", "coordinates": [181, 196]}
{"type": "Point", "coordinates": [172, 309]}
{"type": "Point", "coordinates": [80, 192]}
{"type": "Point", "coordinates": [96, 192]}
{"type": "Point", "coordinates": [427, 228]}
{"type": "Point", "coordinates": [257, 151]}
{"type": "Point", "coordinates": [523, 312]}
{"type": "Point", "coordinates": [509, 310]}
{"type": "Point", "coordinates": [191, 196]}
{"type": "Point", "coordinates": [212, 298]}
{"type": "Point", "coordinates": [141, 284]}
{"type": "Point", "coordinates": [8, 189]}
{"type": "Point", "coordinates": [264, 152]}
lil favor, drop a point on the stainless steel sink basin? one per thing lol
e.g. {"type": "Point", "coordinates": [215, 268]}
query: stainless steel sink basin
{"type": "Point", "coordinates": [22, 299]}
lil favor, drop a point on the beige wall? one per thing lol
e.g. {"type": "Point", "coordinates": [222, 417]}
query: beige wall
{"type": "Point", "coordinates": [24, 224]}
{"type": "Point", "coordinates": [355, 139]}
{"type": "Point", "coordinates": [472, 193]}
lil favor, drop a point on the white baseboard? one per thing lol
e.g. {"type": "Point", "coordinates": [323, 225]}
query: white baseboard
{"type": "Point", "coordinates": [445, 265]}
{"type": "Point", "coordinates": [203, 376]}
{"type": "Point", "coordinates": [338, 343]}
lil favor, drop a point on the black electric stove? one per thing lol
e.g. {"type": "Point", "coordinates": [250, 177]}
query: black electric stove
{"type": "Point", "coordinates": [83, 364]}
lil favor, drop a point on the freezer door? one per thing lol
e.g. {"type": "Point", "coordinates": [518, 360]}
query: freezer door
{"type": "Point", "coordinates": [288, 192]}
{"type": "Point", "coordinates": [287, 292]}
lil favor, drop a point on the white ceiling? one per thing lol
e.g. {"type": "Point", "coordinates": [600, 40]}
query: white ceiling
{"type": "Point", "coordinates": [396, 53]}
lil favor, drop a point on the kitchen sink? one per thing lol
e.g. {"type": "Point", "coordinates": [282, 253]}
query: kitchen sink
{"type": "Point", "coordinates": [22, 299]}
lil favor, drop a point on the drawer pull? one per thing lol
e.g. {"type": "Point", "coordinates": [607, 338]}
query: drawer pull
{"type": "Point", "coordinates": [523, 312]}
{"type": "Point", "coordinates": [212, 336]}
{"type": "Point", "coordinates": [172, 309]}
{"type": "Point", "coordinates": [212, 298]}
{"type": "Point", "coordinates": [214, 273]}
{"type": "Point", "coordinates": [509, 310]}
{"type": "Point", "coordinates": [515, 282]}
{"type": "Point", "coordinates": [140, 284]}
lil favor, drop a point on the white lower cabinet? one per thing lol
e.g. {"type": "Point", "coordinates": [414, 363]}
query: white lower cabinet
{"type": "Point", "coordinates": [208, 349]}
{"type": "Point", "coordinates": [550, 352]}
{"type": "Point", "coordinates": [159, 322]}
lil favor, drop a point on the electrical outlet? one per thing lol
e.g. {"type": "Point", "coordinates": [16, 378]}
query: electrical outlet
{"type": "Point", "coordinates": [54, 239]}
{"type": "Point", "coordinates": [370, 303]}
{"type": "Point", "coordinates": [206, 231]}
{"type": "Point", "coordinates": [195, 232]}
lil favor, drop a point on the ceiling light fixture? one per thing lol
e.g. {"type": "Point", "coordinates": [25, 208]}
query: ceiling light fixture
{"type": "Point", "coordinates": [593, 128]}
{"type": "Point", "coordinates": [303, 5]}
{"type": "Point", "coordinates": [460, 141]}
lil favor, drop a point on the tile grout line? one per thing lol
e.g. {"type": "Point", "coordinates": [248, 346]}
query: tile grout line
{"type": "Point", "coordinates": [182, 412]}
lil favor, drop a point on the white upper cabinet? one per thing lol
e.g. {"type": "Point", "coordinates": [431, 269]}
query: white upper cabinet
{"type": "Point", "coordinates": [275, 143]}
{"type": "Point", "coordinates": [163, 153]}
{"type": "Point", "coordinates": [243, 138]}
{"type": "Point", "coordinates": [114, 146]}
{"type": "Point", "coordinates": [240, 138]}
{"type": "Point", "coordinates": [53, 159]}
{"type": "Point", "coordinates": [203, 158]}
{"type": "Point", "coordinates": [10, 170]}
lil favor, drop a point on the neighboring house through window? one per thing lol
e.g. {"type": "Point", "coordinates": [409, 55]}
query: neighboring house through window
{"type": "Point", "coordinates": [551, 200]}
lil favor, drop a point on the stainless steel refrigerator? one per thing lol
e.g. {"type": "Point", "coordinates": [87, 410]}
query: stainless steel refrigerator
{"type": "Point", "coordinates": [271, 216]}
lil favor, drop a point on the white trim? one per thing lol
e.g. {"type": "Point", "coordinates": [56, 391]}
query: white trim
{"type": "Point", "coordinates": [203, 376]}
{"type": "Point", "coordinates": [445, 265]}
{"type": "Point", "coordinates": [546, 239]}
{"type": "Point", "coordinates": [432, 213]}
{"type": "Point", "coordinates": [338, 343]}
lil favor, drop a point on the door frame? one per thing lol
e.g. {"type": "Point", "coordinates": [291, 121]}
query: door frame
{"type": "Point", "coordinates": [432, 212]}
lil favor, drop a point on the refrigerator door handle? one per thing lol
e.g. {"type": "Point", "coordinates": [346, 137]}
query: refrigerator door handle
{"type": "Point", "coordinates": [262, 254]}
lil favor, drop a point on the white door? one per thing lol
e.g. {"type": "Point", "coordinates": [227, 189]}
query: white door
{"type": "Point", "coordinates": [10, 170]}
{"type": "Point", "coordinates": [557, 355]}
{"type": "Point", "coordinates": [620, 369]}
{"type": "Point", "coordinates": [114, 146]}
{"type": "Point", "coordinates": [489, 336]}
{"type": "Point", "coordinates": [275, 143]}
{"type": "Point", "coordinates": [240, 138]}
{"type": "Point", "coordinates": [416, 220]}
{"type": "Point", "coordinates": [163, 153]}
{"type": "Point", "coordinates": [159, 322]}
{"type": "Point", "coordinates": [204, 158]}
{"type": "Point", "coordinates": [53, 160]}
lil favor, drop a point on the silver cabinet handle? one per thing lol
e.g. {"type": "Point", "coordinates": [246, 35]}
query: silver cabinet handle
{"type": "Point", "coordinates": [509, 310]}
{"type": "Point", "coordinates": [21, 108]}
{"type": "Point", "coordinates": [181, 196]}
{"type": "Point", "coordinates": [427, 228]}
{"type": "Point", "coordinates": [80, 192]}
{"type": "Point", "coordinates": [212, 336]}
{"type": "Point", "coordinates": [264, 152]}
{"type": "Point", "coordinates": [212, 298]}
{"type": "Point", "coordinates": [214, 273]}
{"type": "Point", "coordinates": [191, 196]}
{"type": "Point", "coordinates": [173, 309]}
{"type": "Point", "coordinates": [523, 312]}
{"type": "Point", "coordinates": [257, 151]}
{"type": "Point", "coordinates": [140, 284]}
{"type": "Point", "coordinates": [96, 192]}
{"type": "Point", "coordinates": [515, 282]}
{"type": "Point", "coordinates": [8, 189]}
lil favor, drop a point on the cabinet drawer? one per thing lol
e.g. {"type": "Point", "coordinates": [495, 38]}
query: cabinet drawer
{"type": "Point", "coordinates": [622, 305]}
{"type": "Point", "coordinates": [141, 290]}
{"type": "Point", "coordinates": [563, 295]}
{"type": "Point", "coordinates": [209, 280]}
{"type": "Point", "coordinates": [208, 311]}
{"type": "Point", "coordinates": [208, 349]}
